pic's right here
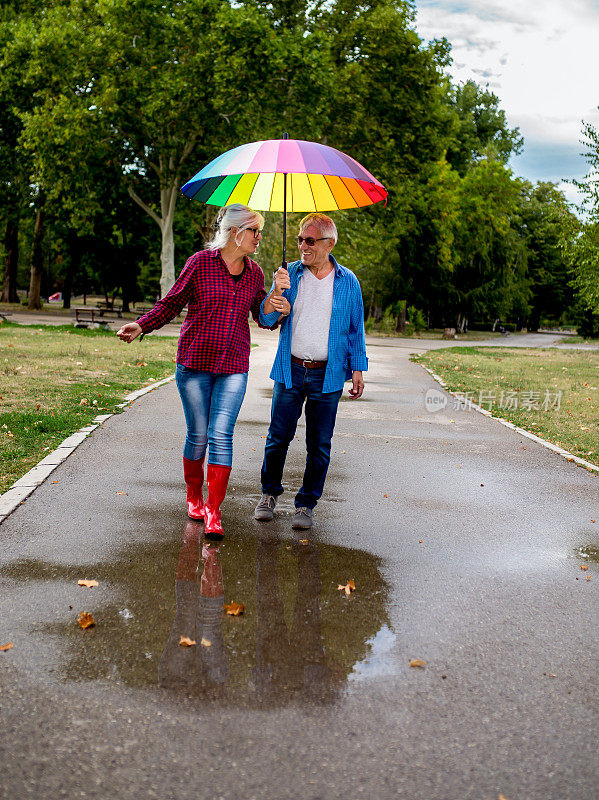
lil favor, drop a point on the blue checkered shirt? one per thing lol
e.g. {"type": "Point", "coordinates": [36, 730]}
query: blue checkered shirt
{"type": "Point", "coordinates": [347, 345]}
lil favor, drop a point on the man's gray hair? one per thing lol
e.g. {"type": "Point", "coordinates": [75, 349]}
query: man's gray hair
{"type": "Point", "coordinates": [325, 224]}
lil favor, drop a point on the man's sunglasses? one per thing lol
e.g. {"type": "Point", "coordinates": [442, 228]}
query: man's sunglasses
{"type": "Point", "coordinates": [310, 240]}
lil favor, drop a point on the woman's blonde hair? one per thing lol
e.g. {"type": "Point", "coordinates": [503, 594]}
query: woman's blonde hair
{"type": "Point", "coordinates": [234, 216]}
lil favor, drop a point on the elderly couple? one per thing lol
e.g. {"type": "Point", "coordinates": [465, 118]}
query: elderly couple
{"type": "Point", "coordinates": [318, 304]}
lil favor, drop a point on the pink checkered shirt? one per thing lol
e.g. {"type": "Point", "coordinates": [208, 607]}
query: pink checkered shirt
{"type": "Point", "coordinates": [215, 336]}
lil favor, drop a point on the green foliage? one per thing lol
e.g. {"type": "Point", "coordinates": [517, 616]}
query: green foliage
{"type": "Point", "coordinates": [107, 107]}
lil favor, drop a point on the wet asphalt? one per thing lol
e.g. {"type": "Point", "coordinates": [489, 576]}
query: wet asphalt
{"type": "Point", "coordinates": [465, 542]}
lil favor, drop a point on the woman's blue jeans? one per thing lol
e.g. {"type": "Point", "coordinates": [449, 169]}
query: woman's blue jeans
{"type": "Point", "coordinates": [211, 403]}
{"type": "Point", "coordinates": [321, 411]}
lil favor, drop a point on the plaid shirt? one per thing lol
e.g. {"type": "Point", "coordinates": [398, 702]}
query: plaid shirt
{"type": "Point", "coordinates": [215, 336]}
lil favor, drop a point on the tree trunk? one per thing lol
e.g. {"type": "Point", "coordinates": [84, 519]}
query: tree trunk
{"type": "Point", "coordinates": [167, 257]}
{"type": "Point", "coordinates": [11, 248]}
{"type": "Point", "coordinates": [37, 262]}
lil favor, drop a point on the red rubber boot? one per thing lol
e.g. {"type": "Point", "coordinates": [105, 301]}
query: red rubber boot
{"type": "Point", "coordinates": [194, 478]}
{"type": "Point", "coordinates": [217, 477]}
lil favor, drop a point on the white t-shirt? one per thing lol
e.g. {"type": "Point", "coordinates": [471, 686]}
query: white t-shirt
{"type": "Point", "coordinates": [312, 317]}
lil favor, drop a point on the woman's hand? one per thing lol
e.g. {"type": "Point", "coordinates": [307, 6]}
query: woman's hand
{"type": "Point", "coordinates": [280, 304]}
{"type": "Point", "coordinates": [129, 332]}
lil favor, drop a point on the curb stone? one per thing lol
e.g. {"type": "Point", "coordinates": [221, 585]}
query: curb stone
{"type": "Point", "coordinates": [21, 489]}
{"type": "Point", "coordinates": [549, 445]}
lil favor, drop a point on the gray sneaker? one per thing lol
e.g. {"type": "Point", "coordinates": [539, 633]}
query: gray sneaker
{"type": "Point", "coordinates": [265, 510]}
{"type": "Point", "coordinates": [302, 519]}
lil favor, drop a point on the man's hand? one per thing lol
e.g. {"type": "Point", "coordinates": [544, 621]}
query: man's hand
{"type": "Point", "coordinates": [129, 332]}
{"type": "Point", "coordinates": [282, 281]}
{"type": "Point", "coordinates": [357, 385]}
{"type": "Point", "coordinates": [273, 301]}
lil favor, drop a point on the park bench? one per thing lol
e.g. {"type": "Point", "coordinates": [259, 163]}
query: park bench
{"type": "Point", "coordinates": [86, 317]}
{"type": "Point", "coordinates": [104, 308]}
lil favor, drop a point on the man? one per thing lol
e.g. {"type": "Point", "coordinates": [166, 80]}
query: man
{"type": "Point", "coordinates": [321, 345]}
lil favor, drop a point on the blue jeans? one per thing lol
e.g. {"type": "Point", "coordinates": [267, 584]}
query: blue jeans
{"type": "Point", "coordinates": [321, 411]}
{"type": "Point", "coordinates": [211, 403]}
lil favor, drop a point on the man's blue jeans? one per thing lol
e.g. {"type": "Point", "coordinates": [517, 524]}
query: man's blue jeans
{"type": "Point", "coordinates": [321, 410]}
{"type": "Point", "coordinates": [211, 403]}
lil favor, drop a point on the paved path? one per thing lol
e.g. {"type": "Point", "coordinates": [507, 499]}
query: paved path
{"type": "Point", "coordinates": [465, 542]}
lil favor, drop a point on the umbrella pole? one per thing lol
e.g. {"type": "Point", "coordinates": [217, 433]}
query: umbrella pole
{"type": "Point", "coordinates": [285, 221]}
{"type": "Point", "coordinates": [285, 136]}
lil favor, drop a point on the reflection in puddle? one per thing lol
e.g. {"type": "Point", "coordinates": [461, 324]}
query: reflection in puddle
{"type": "Point", "coordinates": [299, 640]}
{"type": "Point", "coordinates": [295, 642]}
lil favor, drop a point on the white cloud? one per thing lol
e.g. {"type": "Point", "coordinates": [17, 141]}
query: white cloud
{"type": "Point", "coordinates": [539, 59]}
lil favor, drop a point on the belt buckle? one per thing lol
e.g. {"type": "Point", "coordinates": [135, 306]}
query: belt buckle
{"type": "Point", "coordinates": [307, 364]}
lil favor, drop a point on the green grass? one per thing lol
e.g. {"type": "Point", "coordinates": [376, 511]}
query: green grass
{"type": "Point", "coordinates": [54, 380]}
{"type": "Point", "coordinates": [577, 340]}
{"type": "Point", "coordinates": [562, 384]}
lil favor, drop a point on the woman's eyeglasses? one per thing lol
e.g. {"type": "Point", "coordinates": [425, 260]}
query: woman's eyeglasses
{"type": "Point", "coordinates": [310, 240]}
{"type": "Point", "coordinates": [255, 231]}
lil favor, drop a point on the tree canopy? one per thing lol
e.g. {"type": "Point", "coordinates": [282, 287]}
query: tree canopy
{"type": "Point", "coordinates": [108, 106]}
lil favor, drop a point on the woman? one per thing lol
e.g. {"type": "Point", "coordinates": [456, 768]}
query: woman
{"type": "Point", "coordinates": [219, 286]}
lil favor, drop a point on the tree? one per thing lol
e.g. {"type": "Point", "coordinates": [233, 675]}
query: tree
{"type": "Point", "coordinates": [490, 279]}
{"type": "Point", "coordinates": [481, 128]}
{"type": "Point", "coordinates": [546, 220]}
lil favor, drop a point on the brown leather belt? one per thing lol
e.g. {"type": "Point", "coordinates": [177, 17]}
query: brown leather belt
{"type": "Point", "coordinates": [308, 364]}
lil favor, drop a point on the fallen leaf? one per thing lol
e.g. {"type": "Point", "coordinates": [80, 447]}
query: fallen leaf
{"type": "Point", "coordinates": [8, 646]}
{"type": "Point", "coordinates": [86, 620]}
{"type": "Point", "coordinates": [348, 588]}
{"type": "Point", "coordinates": [84, 402]}
{"type": "Point", "coordinates": [420, 541]}
{"type": "Point", "coordinates": [185, 641]}
{"type": "Point", "coordinates": [384, 495]}
{"type": "Point", "coordinates": [551, 675]}
{"type": "Point", "coordinates": [86, 583]}
{"type": "Point", "coordinates": [206, 642]}
{"type": "Point", "coordinates": [304, 541]}
{"type": "Point", "coordinates": [583, 567]}
{"type": "Point", "coordinates": [588, 577]}
{"type": "Point", "coordinates": [501, 797]}
{"type": "Point", "coordinates": [121, 492]}
{"type": "Point", "coordinates": [417, 662]}
{"type": "Point", "coordinates": [593, 520]}
{"type": "Point", "coordinates": [234, 609]}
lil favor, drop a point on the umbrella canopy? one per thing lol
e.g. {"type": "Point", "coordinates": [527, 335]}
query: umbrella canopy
{"type": "Point", "coordinates": [317, 178]}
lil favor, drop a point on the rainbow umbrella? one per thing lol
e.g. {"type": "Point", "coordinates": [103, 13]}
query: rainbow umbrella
{"type": "Point", "coordinates": [286, 175]}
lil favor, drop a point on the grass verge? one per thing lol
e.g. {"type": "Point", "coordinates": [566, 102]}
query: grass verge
{"type": "Point", "coordinates": [552, 393]}
{"type": "Point", "coordinates": [55, 380]}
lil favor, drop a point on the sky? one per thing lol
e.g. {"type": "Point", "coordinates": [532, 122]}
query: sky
{"type": "Point", "coordinates": [541, 60]}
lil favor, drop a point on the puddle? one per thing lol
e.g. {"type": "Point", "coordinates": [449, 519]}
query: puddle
{"type": "Point", "coordinates": [299, 640]}
{"type": "Point", "coordinates": [588, 553]}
